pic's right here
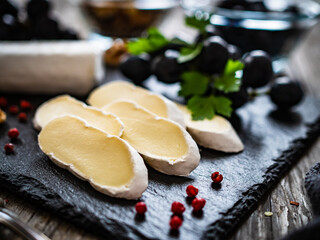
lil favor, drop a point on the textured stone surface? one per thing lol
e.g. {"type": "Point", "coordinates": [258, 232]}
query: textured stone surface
{"type": "Point", "coordinates": [273, 142]}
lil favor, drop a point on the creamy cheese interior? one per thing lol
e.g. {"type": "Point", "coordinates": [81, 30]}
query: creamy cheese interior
{"type": "Point", "coordinates": [65, 104]}
{"type": "Point", "coordinates": [89, 152]}
{"type": "Point", "coordinates": [123, 90]}
{"type": "Point", "coordinates": [147, 133]}
{"type": "Point", "coordinates": [217, 124]}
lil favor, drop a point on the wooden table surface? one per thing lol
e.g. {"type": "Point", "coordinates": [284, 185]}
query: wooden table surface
{"type": "Point", "coordinates": [305, 64]}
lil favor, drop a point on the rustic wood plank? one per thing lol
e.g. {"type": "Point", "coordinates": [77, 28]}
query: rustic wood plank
{"type": "Point", "coordinates": [256, 223]}
{"type": "Point", "coordinates": [286, 217]}
{"type": "Point", "coordinates": [305, 66]}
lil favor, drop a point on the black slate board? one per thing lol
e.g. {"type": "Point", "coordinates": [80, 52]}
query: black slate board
{"type": "Point", "coordinates": [273, 143]}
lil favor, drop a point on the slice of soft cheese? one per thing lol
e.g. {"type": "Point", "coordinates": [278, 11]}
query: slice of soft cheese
{"type": "Point", "coordinates": [164, 144]}
{"type": "Point", "coordinates": [107, 162]}
{"type": "Point", "coordinates": [155, 103]}
{"type": "Point", "coordinates": [66, 105]}
{"type": "Point", "coordinates": [217, 133]}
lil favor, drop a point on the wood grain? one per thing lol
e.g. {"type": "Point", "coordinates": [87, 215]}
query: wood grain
{"type": "Point", "coordinates": [286, 217]}
{"type": "Point", "coordinates": [304, 64]}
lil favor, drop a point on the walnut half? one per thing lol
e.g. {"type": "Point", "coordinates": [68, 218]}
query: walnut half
{"type": "Point", "coordinates": [3, 116]}
{"type": "Point", "coordinates": [114, 55]}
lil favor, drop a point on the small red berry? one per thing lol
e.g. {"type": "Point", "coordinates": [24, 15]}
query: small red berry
{"type": "Point", "coordinates": [141, 207]}
{"type": "Point", "coordinates": [13, 109]}
{"type": "Point", "coordinates": [175, 222]}
{"type": "Point", "coordinates": [13, 133]}
{"type": "Point", "coordinates": [177, 208]}
{"type": "Point", "coordinates": [192, 191]}
{"type": "Point", "coordinates": [216, 177]}
{"type": "Point", "coordinates": [198, 204]}
{"type": "Point", "coordinates": [3, 102]}
{"type": "Point", "coordinates": [9, 148]}
{"type": "Point", "coordinates": [26, 105]}
{"type": "Point", "coordinates": [22, 117]}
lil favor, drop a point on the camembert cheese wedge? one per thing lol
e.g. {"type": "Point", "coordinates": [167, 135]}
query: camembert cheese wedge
{"type": "Point", "coordinates": [164, 144]}
{"type": "Point", "coordinates": [217, 133]}
{"type": "Point", "coordinates": [107, 162]}
{"type": "Point", "coordinates": [153, 102]}
{"type": "Point", "coordinates": [66, 105]}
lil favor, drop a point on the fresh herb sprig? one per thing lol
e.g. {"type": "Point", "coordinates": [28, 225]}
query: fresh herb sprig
{"type": "Point", "coordinates": [206, 95]}
{"type": "Point", "coordinates": [153, 42]}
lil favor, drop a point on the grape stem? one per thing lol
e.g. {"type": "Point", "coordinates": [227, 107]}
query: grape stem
{"type": "Point", "coordinates": [255, 93]}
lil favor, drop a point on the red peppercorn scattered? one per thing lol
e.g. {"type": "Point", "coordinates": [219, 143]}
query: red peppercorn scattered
{"type": "Point", "coordinates": [175, 222]}
{"type": "Point", "coordinates": [192, 191]}
{"type": "Point", "coordinates": [3, 102]}
{"type": "Point", "coordinates": [198, 204]}
{"type": "Point", "coordinates": [216, 177]}
{"type": "Point", "coordinates": [9, 148]}
{"type": "Point", "coordinates": [22, 117]}
{"type": "Point", "coordinates": [13, 109]}
{"type": "Point", "coordinates": [26, 105]}
{"type": "Point", "coordinates": [3, 202]}
{"type": "Point", "coordinates": [13, 133]}
{"type": "Point", "coordinates": [177, 208]}
{"type": "Point", "coordinates": [141, 207]}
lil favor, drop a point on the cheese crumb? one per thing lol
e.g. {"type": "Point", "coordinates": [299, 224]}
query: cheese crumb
{"type": "Point", "coordinates": [268, 214]}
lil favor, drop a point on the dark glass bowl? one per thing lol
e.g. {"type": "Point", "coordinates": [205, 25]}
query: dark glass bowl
{"type": "Point", "coordinates": [276, 29]}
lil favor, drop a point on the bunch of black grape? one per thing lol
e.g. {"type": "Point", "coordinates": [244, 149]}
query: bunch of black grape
{"type": "Point", "coordinates": [38, 24]}
{"type": "Point", "coordinates": [257, 73]}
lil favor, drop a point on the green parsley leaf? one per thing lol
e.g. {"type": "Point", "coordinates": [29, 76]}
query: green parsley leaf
{"type": "Point", "coordinates": [201, 107]}
{"type": "Point", "coordinates": [189, 53]}
{"type": "Point", "coordinates": [207, 107]}
{"type": "Point", "coordinates": [222, 105]}
{"type": "Point", "coordinates": [228, 82]}
{"type": "Point", "coordinates": [198, 21]}
{"type": "Point", "coordinates": [153, 42]}
{"type": "Point", "coordinates": [233, 66]}
{"type": "Point", "coordinates": [194, 83]}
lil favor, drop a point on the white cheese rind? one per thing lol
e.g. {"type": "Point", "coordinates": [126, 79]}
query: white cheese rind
{"type": "Point", "coordinates": [38, 123]}
{"type": "Point", "coordinates": [227, 141]}
{"type": "Point", "coordinates": [217, 133]}
{"type": "Point", "coordinates": [181, 166]}
{"type": "Point", "coordinates": [47, 67]}
{"type": "Point", "coordinates": [173, 112]}
{"type": "Point", "coordinates": [133, 190]}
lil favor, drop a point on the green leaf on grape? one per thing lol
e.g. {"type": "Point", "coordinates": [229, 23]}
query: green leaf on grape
{"type": "Point", "coordinates": [228, 81]}
{"type": "Point", "coordinates": [189, 53]}
{"type": "Point", "coordinates": [153, 42]}
{"type": "Point", "coordinates": [233, 66]}
{"type": "Point", "coordinates": [194, 83]}
{"type": "Point", "coordinates": [206, 107]}
{"type": "Point", "coordinates": [222, 105]}
{"type": "Point", "coordinates": [201, 107]}
{"type": "Point", "coordinates": [198, 21]}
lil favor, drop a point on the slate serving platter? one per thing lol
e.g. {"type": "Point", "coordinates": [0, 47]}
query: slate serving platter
{"type": "Point", "coordinates": [273, 143]}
